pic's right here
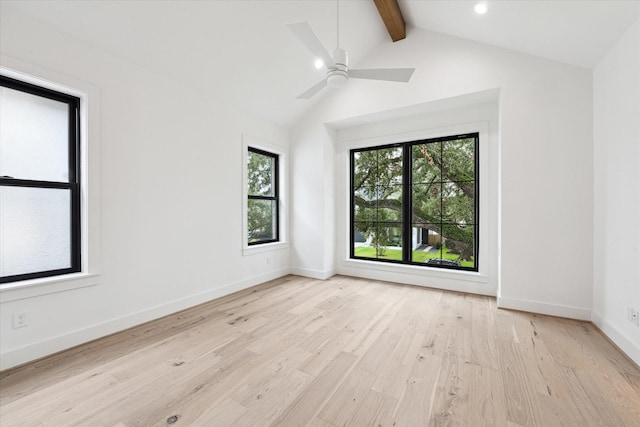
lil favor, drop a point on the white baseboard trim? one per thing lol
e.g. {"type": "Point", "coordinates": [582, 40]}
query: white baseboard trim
{"type": "Point", "coordinates": [545, 308]}
{"type": "Point", "coordinates": [59, 343]}
{"type": "Point", "coordinates": [313, 274]}
{"type": "Point", "coordinates": [630, 347]}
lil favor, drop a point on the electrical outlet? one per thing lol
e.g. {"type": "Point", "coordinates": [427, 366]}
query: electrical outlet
{"type": "Point", "coordinates": [633, 316]}
{"type": "Point", "coordinates": [268, 260]}
{"type": "Point", "coordinates": [20, 320]}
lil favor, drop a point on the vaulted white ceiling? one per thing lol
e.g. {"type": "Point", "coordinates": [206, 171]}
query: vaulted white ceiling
{"type": "Point", "coordinates": [240, 51]}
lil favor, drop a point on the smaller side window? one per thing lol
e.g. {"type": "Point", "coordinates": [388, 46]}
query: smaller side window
{"type": "Point", "coordinates": [262, 197]}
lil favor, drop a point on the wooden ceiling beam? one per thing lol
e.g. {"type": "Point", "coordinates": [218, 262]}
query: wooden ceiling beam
{"type": "Point", "coordinates": [392, 18]}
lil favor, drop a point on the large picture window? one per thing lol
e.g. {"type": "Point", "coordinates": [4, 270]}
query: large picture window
{"type": "Point", "coordinates": [417, 202]}
{"type": "Point", "coordinates": [39, 182]}
{"type": "Point", "coordinates": [262, 197]}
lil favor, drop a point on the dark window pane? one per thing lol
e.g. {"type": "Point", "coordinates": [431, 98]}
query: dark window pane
{"type": "Point", "coordinates": [426, 202]}
{"type": "Point", "coordinates": [366, 196]}
{"type": "Point", "coordinates": [426, 163]}
{"type": "Point", "coordinates": [459, 244]}
{"type": "Point", "coordinates": [381, 168]}
{"type": "Point", "coordinates": [389, 167]}
{"type": "Point", "coordinates": [362, 233]}
{"type": "Point", "coordinates": [458, 204]}
{"type": "Point", "coordinates": [35, 225]}
{"type": "Point", "coordinates": [34, 137]}
{"type": "Point", "coordinates": [261, 223]}
{"type": "Point", "coordinates": [458, 158]}
{"type": "Point", "coordinates": [261, 174]}
{"type": "Point", "coordinates": [427, 242]}
{"type": "Point", "coordinates": [381, 240]}
{"type": "Point", "coordinates": [365, 166]}
{"type": "Point", "coordinates": [389, 215]}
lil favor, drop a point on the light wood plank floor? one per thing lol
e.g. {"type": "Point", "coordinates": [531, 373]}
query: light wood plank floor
{"type": "Point", "coordinates": [342, 352]}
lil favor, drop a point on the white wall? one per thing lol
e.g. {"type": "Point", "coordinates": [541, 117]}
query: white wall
{"type": "Point", "coordinates": [616, 260]}
{"type": "Point", "coordinates": [545, 240]}
{"type": "Point", "coordinates": [465, 114]}
{"type": "Point", "coordinates": [170, 196]}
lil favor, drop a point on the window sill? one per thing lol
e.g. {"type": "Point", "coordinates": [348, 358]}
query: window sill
{"type": "Point", "coordinates": [267, 247]}
{"type": "Point", "coordinates": [470, 276]}
{"type": "Point", "coordinates": [48, 285]}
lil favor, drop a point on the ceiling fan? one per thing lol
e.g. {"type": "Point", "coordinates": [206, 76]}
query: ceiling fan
{"type": "Point", "coordinates": [338, 72]}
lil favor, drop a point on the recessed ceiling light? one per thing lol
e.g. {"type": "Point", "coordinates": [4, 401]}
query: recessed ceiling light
{"type": "Point", "coordinates": [481, 8]}
{"type": "Point", "coordinates": [319, 63]}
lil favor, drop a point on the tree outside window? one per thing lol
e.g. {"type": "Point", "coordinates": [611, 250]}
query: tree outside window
{"type": "Point", "coordinates": [262, 197]}
{"type": "Point", "coordinates": [416, 202]}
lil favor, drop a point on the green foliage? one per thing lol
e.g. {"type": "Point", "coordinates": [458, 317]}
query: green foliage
{"type": "Point", "coordinates": [416, 256]}
{"type": "Point", "coordinates": [378, 174]}
{"type": "Point", "coordinates": [260, 174]}
{"type": "Point", "coordinates": [260, 218]}
{"type": "Point", "coordinates": [442, 193]}
{"type": "Point", "coordinates": [260, 182]}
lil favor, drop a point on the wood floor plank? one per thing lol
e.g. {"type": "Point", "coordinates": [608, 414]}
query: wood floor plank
{"type": "Point", "coordinates": [341, 352]}
{"type": "Point", "coordinates": [376, 409]}
{"type": "Point", "coordinates": [393, 377]}
{"type": "Point", "coordinates": [487, 405]}
{"type": "Point", "coordinates": [608, 405]}
{"type": "Point", "coordinates": [415, 406]}
{"type": "Point", "coordinates": [451, 405]}
{"type": "Point", "coordinates": [483, 344]}
{"type": "Point", "coordinates": [522, 401]}
{"type": "Point", "coordinates": [223, 415]}
{"type": "Point", "coordinates": [272, 402]}
{"type": "Point", "coordinates": [307, 405]}
{"type": "Point", "coordinates": [344, 403]}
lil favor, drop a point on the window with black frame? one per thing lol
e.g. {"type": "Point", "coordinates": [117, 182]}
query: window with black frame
{"type": "Point", "coordinates": [39, 182]}
{"type": "Point", "coordinates": [417, 202]}
{"type": "Point", "coordinates": [262, 197]}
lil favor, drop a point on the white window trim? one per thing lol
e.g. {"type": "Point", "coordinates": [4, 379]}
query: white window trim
{"type": "Point", "coordinates": [90, 184]}
{"type": "Point", "coordinates": [283, 206]}
{"type": "Point", "coordinates": [482, 127]}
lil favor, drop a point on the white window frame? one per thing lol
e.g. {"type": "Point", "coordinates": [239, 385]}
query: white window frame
{"type": "Point", "coordinates": [283, 217]}
{"type": "Point", "coordinates": [89, 176]}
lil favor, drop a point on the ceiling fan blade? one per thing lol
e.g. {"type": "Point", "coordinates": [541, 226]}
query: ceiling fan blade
{"type": "Point", "coordinates": [389, 74]}
{"type": "Point", "coordinates": [314, 89]}
{"type": "Point", "coordinates": [304, 33]}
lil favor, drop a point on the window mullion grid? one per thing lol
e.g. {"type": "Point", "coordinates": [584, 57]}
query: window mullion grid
{"type": "Point", "coordinates": [74, 143]}
{"type": "Point", "coordinates": [407, 196]}
{"type": "Point", "coordinates": [75, 181]}
{"type": "Point", "coordinates": [353, 204]}
{"type": "Point", "coordinates": [377, 196]}
{"type": "Point", "coordinates": [407, 201]}
{"type": "Point", "coordinates": [476, 204]}
{"type": "Point", "coordinates": [276, 194]}
{"type": "Point", "coordinates": [441, 201]}
{"type": "Point", "coordinates": [75, 239]}
{"type": "Point", "coordinates": [73, 185]}
{"type": "Point", "coordinates": [275, 173]}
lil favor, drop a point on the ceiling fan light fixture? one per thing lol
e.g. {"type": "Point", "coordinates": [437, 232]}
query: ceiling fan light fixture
{"type": "Point", "coordinates": [481, 8]}
{"type": "Point", "coordinates": [338, 72]}
{"type": "Point", "coordinates": [336, 80]}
